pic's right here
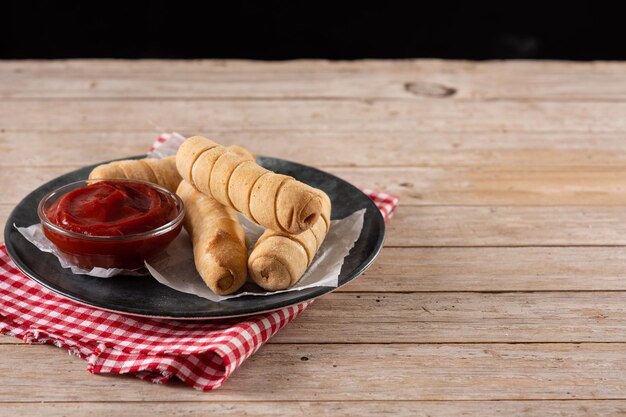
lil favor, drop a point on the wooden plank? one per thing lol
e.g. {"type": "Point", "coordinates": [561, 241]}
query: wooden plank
{"type": "Point", "coordinates": [453, 317]}
{"type": "Point", "coordinates": [492, 186]}
{"type": "Point", "coordinates": [443, 226]}
{"type": "Point", "coordinates": [461, 318]}
{"type": "Point", "coordinates": [483, 269]}
{"type": "Point", "coordinates": [421, 132]}
{"type": "Point", "coordinates": [606, 408]}
{"type": "Point", "coordinates": [29, 179]}
{"type": "Point", "coordinates": [495, 185]}
{"type": "Point", "coordinates": [343, 373]}
{"type": "Point", "coordinates": [70, 149]}
{"type": "Point", "coordinates": [10, 340]}
{"type": "Point", "coordinates": [506, 226]}
{"type": "Point", "coordinates": [495, 269]}
{"type": "Point", "coordinates": [385, 117]}
{"type": "Point", "coordinates": [319, 148]}
{"type": "Point", "coordinates": [417, 79]}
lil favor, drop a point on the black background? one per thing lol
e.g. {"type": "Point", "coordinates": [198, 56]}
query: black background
{"type": "Point", "coordinates": [292, 29]}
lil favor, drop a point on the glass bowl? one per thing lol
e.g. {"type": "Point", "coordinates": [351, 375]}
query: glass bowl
{"type": "Point", "coordinates": [125, 251]}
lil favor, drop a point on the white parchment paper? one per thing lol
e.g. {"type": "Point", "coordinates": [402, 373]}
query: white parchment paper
{"type": "Point", "coordinates": [176, 268]}
{"type": "Point", "coordinates": [35, 235]}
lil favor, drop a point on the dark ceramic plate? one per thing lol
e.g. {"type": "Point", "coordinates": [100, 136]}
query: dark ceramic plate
{"type": "Point", "coordinates": [146, 297]}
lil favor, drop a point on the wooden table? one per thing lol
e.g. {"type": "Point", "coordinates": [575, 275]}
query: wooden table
{"type": "Point", "coordinates": [502, 286]}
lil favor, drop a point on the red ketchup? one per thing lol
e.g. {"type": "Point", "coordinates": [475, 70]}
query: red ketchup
{"type": "Point", "coordinates": [113, 224]}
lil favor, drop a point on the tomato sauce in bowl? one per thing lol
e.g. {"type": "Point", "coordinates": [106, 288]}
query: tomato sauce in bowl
{"type": "Point", "coordinates": [111, 223]}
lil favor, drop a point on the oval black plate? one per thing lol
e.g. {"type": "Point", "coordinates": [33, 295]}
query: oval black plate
{"type": "Point", "coordinates": [146, 297]}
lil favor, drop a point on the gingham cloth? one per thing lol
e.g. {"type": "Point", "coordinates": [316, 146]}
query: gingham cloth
{"type": "Point", "coordinates": [203, 354]}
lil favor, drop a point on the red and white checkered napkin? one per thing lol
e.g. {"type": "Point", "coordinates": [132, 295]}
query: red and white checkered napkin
{"type": "Point", "coordinates": [202, 354]}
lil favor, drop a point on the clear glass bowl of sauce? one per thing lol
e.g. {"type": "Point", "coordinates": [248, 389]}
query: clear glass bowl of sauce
{"type": "Point", "coordinates": [111, 223]}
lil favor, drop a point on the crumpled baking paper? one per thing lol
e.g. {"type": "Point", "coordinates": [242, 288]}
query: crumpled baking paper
{"type": "Point", "coordinates": [34, 234]}
{"type": "Point", "coordinates": [177, 270]}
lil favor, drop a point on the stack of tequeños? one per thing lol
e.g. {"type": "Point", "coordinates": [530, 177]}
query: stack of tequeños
{"type": "Point", "coordinates": [218, 180]}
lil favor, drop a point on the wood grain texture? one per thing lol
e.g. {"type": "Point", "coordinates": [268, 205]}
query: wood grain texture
{"type": "Point", "coordinates": [501, 286]}
{"type": "Point", "coordinates": [343, 373]}
{"type": "Point", "coordinates": [507, 226]}
{"type": "Point", "coordinates": [487, 268]}
{"type": "Point", "coordinates": [386, 117]}
{"type": "Point", "coordinates": [501, 226]}
{"type": "Point", "coordinates": [338, 149]}
{"type": "Point", "coordinates": [485, 186]}
{"type": "Point", "coordinates": [495, 185]}
{"type": "Point", "coordinates": [549, 408]}
{"type": "Point", "coordinates": [461, 318]}
{"type": "Point", "coordinates": [495, 269]}
{"type": "Point", "coordinates": [452, 317]}
{"type": "Point", "coordinates": [407, 79]}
